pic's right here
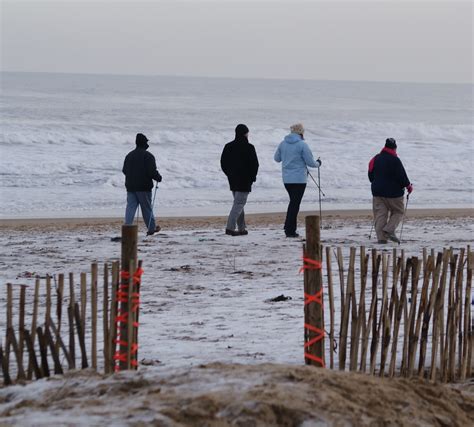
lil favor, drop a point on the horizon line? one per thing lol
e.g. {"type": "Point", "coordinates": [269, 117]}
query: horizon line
{"type": "Point", "coordinates": [304, 79]}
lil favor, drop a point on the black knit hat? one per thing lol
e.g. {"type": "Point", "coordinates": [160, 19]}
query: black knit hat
{"type": "Point", "coordinates": [141, 140]}
{"type": "Point", "coordinates": [241, 130]}
{"type": "Point", "coordinates": [391, 143]}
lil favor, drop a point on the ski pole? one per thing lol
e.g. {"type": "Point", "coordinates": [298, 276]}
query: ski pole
{"type": "Point", "coordinates": [319, 187]}
{"type": "Point", "coordinates": [403, 219]}
{"type": "Point", "coordinates": [152, 207]}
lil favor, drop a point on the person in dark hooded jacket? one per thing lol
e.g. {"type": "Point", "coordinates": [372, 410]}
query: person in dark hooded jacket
{"type": "Point", "coordinates": [388, 180]}
{"type": "Point", "coordinates": [140, 170]}
{"type": "Point", "coordinates": [240, 163]}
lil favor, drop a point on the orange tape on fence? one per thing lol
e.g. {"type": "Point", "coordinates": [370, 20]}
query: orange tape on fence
{"type": "Point", "coordinates": [123, 317]}
{"type": "Point", "coordinates": [317, 298]}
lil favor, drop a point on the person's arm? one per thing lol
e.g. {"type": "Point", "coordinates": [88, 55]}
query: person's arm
{"type": "Point", "coordinates": [253, 163]}
{"type": "Point", "coordinates": [308, 157]}
{"type": "Point", "coordinates": [277, 156]}
{"type": "Point", "coordinates": [371, 169]}
{"type": "Point", "coordinates": [151, 168]}
{"type": "Point", "coordinates": [225, 160]}
{"type": "Point", "coordinates": [124, 167]}
{"type": "Point", "coordinates": [402, 176]}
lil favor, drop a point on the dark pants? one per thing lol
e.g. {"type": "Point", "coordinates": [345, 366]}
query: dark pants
{"type": "Point", "coordinates": [295, 191]}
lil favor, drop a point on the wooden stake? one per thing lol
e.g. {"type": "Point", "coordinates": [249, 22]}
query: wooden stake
{"type": "Point", "coordinates": [437, 321]}
{"type": "Point", "coordinates": [429, 309]}
{"type": "Point", "coordinates": [444, 352]}
{"type": "Point", "coordinates": [94, 274]}
{"type": "Point", "coordinates": [385, 264]}
{"type": "Point", "coordinates": [113, 314]}
{"type": "Point", "coordinates": [47, 314]}
{"type": "Point", "coordinates": [467, 310]}
{"type": "Point", "coordinates": [105, 318]}
{"type": "Point", "coordinates": [398, 316]}
{"type": "Point", "coordinates": [80, 334]}
{"type": "Point", "coordinates": [12, 338]}
{"type": "Point", "coordinates": [354, 323]}
{"type": "Point", "coordinates": [70, 316]}
{"type": "Point", "coordinates": [361, 325]}
{"type": "Point", "coordinates": [59, 343]}
{"type": "Point", "coordinates": [136, 316]}
{"type": "Point", "coordinates": [43, 351]}
{"type": "Point", "coordinates": [345, 317]}
{"type": "Point", "coordinates": [83, 302]}
{"type": "Point", "coordinates": [388, 315]}
{"type": "Point", "coordinates": [408, 342]}
{"type": "Point", "coordinates": [331, 307]}
{"type": "Point", "coordinates": [32, 355]}
{"type": "Point", "coordinates": [427, 272]}
{"type": "Point", "coordinates": [22, 322]}
{"type": "Point", "coordinates": [376, 261]}
{"type": "Point", "coordinates": [58, 370]}
{"type": "Point", "coordinates": [457, 333]}
{"type": "Point", "coordinates": [129, 253]}
{"type": "Point", "coordinates": [3, 363]}
{"type": "Point", "coordinates": [33, 326]}
{"type": "Point", "coordinates": [9, 324]}
{"type": "Point", "coordinates": [59, 309]}
{"type": "Point", "coordinates": [313, 311]}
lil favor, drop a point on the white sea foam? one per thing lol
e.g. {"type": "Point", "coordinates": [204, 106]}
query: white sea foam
{"type": "Point", "coordinates": [64, 138]}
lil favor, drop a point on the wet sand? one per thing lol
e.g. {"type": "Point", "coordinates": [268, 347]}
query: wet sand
{"type": "Point", "coordinates": [256, 220]}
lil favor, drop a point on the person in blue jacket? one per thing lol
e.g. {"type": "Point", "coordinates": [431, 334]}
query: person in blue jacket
{"type": "Point", "coordinates": [295, 156]}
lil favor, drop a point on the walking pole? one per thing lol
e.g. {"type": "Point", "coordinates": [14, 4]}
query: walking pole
{"type": "Point", "coordinates": [403, 219]}
{"type": "Point", "coordinates": [371, 228]}
{"type": "Point", "coordinates": [152, 207]}
{"type": "Point", "coordinates": [319, 186]}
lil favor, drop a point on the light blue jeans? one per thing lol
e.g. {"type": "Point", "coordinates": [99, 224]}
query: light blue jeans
{"type": "Point", "coordinates": [142, 198]}
{"type": "Point", "coordinates": [237, 214]}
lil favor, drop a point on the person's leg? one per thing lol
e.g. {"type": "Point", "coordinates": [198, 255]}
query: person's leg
{"type": "Point", "coordinates": [144, 197]}
{"type": "Point", "coordinates": [380, 210]}
{"type": "Point", "coordinates": [296, 192]}
{"type": "Point", "coordinates": [241, 226]}
{"type": "Point", "coordinates": [240, 198]}
{"type": "Point", "coordinates": [132, 205]}
{"type": "Point", "coordinates": [397, 209]}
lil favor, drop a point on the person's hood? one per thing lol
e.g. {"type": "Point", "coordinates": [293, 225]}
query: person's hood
{"type": "Point", "coordinates": [292, 138]}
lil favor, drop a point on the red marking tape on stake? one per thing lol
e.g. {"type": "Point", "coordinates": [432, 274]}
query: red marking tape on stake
{"type": "Point", "coordinates": [317, 298]}
{"type": "Point", "coordinates": [123, 317]}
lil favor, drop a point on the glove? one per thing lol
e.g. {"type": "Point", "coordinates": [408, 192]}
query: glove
{"type": "Point", "coordinates": [410, 188]}
{"type": "Point", "coordinates": [320, 162]}
{"type": "Point", "coordinates": [159, 178]}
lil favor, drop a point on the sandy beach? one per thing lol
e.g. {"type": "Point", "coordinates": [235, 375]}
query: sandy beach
{"type": "Point", "coordinates": [214, 349]}
{"type": "Point", "coordinates": [254, 219]}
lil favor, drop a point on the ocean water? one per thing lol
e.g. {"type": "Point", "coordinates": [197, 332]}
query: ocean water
{"type": "Point", "coordinates": [64, 137]}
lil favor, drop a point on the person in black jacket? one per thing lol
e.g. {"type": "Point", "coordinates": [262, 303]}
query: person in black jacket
{"type": "Point", "coordinates": [140, 170]}
{"type": "Point", "coordinates": [389, 179]}
{"type": "Point", "coordinates": [239, 162]}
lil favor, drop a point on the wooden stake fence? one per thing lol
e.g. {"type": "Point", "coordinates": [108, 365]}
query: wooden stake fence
{"type": "Point", "coordinates": [38, 347]}
{"type": "Point", "coordinates": [416, 321]}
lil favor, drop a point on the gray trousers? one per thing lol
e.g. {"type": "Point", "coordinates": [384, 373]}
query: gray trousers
{"type": "Point", "coordinates": [382, 208]}
{"type": "Point", "coordinates": [237, 214]}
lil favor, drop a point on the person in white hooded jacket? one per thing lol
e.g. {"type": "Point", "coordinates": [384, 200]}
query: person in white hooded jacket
{"type": "Point", "coordinates": [295, 156]}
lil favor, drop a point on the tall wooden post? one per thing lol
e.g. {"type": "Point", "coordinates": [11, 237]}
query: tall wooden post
{"type": "Point", "coordinates": [129, 253]}
{"type": "Point", "coordinates": [313, 292]}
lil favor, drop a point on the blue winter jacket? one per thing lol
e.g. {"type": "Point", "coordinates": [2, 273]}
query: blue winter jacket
{"type": "Point", "coordinates": [295, 156]}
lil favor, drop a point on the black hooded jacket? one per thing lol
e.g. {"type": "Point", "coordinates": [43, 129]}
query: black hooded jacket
{"type": "Point", "coordinates": [240, 163]}
{"type": "Point", "coordinates": [387, 175]}
{"type": "Point", "coordinates": [140, 170]}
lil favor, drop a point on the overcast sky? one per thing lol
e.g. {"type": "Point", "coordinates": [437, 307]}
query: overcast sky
{"type": "Point", "coordinates": [384, 40]}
